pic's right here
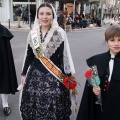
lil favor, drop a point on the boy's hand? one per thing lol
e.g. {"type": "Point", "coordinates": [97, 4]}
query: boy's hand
{"type": "Point", "coordinates": [96, 90]}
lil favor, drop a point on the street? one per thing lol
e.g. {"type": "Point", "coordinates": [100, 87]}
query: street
{"type": "Point", "coordinates": [83, 44]}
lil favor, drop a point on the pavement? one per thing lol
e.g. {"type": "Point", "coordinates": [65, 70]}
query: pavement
{"type": "Point", "coordinates": [108, 21]}
{"type": "Point", "coordinates": [13, 26]}
{"type": "Point", "coordinates": [26, 27]}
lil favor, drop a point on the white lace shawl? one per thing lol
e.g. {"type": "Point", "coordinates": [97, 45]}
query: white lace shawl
{"type": "Point", "coordinates": [68, 63]}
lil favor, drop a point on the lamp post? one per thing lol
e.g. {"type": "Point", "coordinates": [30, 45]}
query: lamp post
{"type": "Point", "coordinates": [29, 13]}
{"type": "Point", "coordinates": [74, 10]}
{"type": "Point", "coordinates": [101, 7]}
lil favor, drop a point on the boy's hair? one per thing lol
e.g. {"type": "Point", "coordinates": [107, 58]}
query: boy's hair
{"type": "Point", "coordinates": [112, 31]}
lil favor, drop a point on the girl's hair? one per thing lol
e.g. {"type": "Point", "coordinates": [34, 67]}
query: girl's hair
{"type": "Point", "coordinates": [112, 31]}
{"type": "Point", "coordinates": [45, 5]}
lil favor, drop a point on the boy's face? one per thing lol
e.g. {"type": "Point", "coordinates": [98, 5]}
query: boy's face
{"type": "Point", "coordinates": [114, 45]}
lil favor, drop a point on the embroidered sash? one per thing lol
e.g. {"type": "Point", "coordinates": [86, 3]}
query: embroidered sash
{"type": "Point", "coordinates": [48, 64]}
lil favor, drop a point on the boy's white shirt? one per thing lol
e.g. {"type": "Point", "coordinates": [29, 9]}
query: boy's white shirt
{"type": "Point", "coordinates": [111, 64]}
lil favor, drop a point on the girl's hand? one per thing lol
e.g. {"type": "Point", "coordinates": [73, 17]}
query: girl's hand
{"type": "Point", "coordinates": [23, 80]}
{"type": "Point", "coordinates": [96, 90]}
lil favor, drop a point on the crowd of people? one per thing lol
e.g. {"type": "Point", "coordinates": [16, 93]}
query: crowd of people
{"type": "Point", "coordinates": [76, 21]}
{"type": "Point", "coordinates": [83, 21]}
{"type": "Point", "coordinates": [47, 77]}
{"type": "Point", "coordinates": [109, 13]}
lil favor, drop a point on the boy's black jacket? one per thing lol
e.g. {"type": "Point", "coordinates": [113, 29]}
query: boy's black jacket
{"type": "Point", "coordinates": [111, 99]}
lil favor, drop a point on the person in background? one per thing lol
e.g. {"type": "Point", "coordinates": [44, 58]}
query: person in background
{"type": "Point", "coordinates": [115, 21]}
{"type": "Point", "coordinates": [61, 20]}
{"type": "Point", "coordinates": [25, 16]}
{"type": "Point", "coordinates": [80, 24]}
{"type": "Point", "coordinates": [76, 20]}
{"type": "Point", "coordinates": [98, 21]}
{"type": "Point", "coordinates": [94, 19]}
{"type": "Point", "coordinates": [58, 13]}
{"type": "Point", "coordinates": [65, 12]}
{"type": "Point", "coordinates": [8, 79]}
{"type": "Point", "coordinates": [69, 21]}
{"type": "Point", "coordinates": [84, 22]}
{"type": "Point", "coordinates": [18, 12]}
{"type": "Point", "coordinates": [108, 68]}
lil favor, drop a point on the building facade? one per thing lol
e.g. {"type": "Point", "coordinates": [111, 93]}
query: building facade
{"type": "Point", "coordinates": [7, 7]}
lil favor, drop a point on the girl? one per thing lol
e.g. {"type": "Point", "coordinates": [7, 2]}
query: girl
{"type": "Point", "coordinates": [44, 97]}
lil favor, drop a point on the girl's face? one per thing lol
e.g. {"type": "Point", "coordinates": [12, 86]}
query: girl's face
{"type": "Point", "coordinates": [45, 16]}
{"type": "Point", "coordinates": [114, 45]}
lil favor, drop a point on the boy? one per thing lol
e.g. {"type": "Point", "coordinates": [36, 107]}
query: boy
{"type": "Point", "coordinates": [108, 66]}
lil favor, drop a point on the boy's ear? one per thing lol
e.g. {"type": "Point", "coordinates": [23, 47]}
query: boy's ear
{"type": "Point", "coordinates": [106, 43]}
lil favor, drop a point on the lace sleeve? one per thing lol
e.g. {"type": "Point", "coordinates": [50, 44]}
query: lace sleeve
{"type": "Point", "coordinates": [67, 58]}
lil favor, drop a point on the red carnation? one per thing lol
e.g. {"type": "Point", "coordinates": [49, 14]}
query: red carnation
{"type": "Point", "coordinates": [70, 82]}
{"type": "Point", "coordinates": [88, 74]}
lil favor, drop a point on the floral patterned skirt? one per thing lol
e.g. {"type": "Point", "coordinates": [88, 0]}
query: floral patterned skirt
{"type": "Point", "coordinates": [44, 97]}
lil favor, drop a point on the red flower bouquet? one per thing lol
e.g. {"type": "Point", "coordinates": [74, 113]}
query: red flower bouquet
{"type": "Point", "coordinates": [88, 73]}
{"type": "Point", "coordinates": [70, 82]}
{"type": "Point", "coordinates": [93, 79]}
{"type": "Point", "coordinates": [92, 76]}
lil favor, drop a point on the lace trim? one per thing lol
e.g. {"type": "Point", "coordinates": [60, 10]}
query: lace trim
{"type": "Point", "coordinates": [43, 45]}
{"type": "Point", "coordinates": [47, 39]}
{"type": "Point", "coordinates": [66, 62]}
{"type": "Point", "coordinates": [54, 43]}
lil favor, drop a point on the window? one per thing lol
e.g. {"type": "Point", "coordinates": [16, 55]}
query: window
{"type": "Point", "coordinates": [23, 0]}
{"type": "Point", "coordinates": [0, 3]}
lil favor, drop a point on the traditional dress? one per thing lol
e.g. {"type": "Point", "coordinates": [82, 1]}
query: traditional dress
{"type": "Point", "coordinates": [8, 79]}
{"type": "Point", "coordinates": [109, 91]}
{"type": "Point", "coordinates": [44, 97]}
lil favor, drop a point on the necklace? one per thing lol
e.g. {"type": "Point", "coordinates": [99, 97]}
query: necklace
{"type": "Point", "coordinates": [43, 38]}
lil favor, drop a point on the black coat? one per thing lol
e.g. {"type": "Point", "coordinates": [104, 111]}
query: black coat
{"type": "Point", "coordinates": [110, 98]}
{"type": "Point", "coordinates": [8, 79]}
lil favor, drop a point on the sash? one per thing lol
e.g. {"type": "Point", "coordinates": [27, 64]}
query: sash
{"type": "Point", "coordinates": [48, 64]}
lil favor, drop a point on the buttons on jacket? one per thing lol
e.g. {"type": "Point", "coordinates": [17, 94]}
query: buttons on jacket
{"type": "Point", "coordinates": [106, 75]}
{"type": "Point", "coordinates": [106, 85]}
